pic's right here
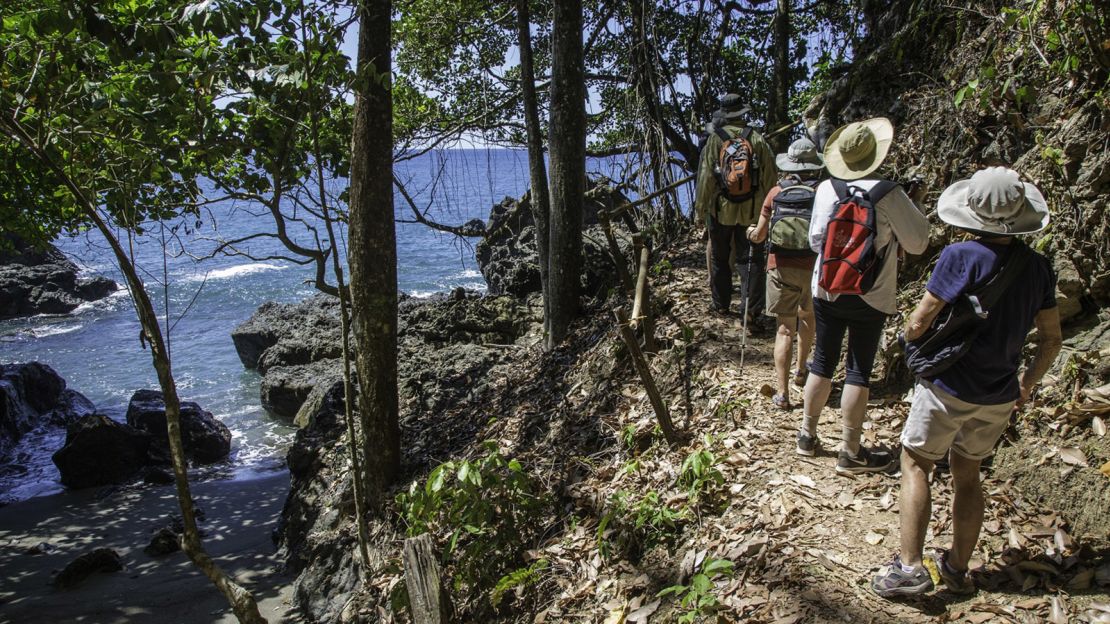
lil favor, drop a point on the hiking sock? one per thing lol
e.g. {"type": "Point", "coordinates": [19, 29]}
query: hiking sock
{"type": "Point", "coordinates": [850, 438]}
{"type": "Point", "coordinates": [809, 424]}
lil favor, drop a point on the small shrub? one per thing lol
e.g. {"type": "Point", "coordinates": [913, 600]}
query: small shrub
{"type": "Point", "coordinates": [697, 599]}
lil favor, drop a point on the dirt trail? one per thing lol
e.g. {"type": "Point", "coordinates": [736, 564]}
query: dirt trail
{"type": "Point", "coordinates": [804, 541]}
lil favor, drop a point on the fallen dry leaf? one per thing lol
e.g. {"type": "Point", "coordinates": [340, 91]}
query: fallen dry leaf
{"type": "Point", "coordinates": [1105, 469]}
{"type": "Point", "coordinates": [1098, 425]}
{"type": "Point", "coordinates": [643, 613]}
{"type": "Point", "coordinates": [1073, 456]}
{"type": "Point", "coordinates": [873, 538]}
{"type": "Point", "coordinates": [1058, 614]}
{"type": "Point", "coordinates": [803, 480]}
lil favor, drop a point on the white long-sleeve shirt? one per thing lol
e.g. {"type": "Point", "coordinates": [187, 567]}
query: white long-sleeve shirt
{"type": "Point", "coordinates": [898, 222]}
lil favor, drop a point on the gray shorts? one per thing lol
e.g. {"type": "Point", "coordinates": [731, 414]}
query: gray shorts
{"type": "Point", "coordinates": [939, 421]}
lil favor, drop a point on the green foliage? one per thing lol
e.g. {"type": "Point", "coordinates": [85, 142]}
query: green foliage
{"type": "Point", "coordinates": [662, 268]}
{"type": "Point", "coordinates": [697, 598]}
{"type": "Point", "coordinates": [636, 523]}
{"type": "Point", "coordinates": [485, 508]}
{"type": "Point", "coordinates": [521, 577]}
{"type": "Point", "coordinates": [699, 473]}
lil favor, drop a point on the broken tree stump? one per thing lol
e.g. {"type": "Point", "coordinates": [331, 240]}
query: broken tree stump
{"type": "Point", "coordinates": [615, 251]}
{"type": "Point", "coordinates": [638, 360]}
{"type": "Point", "coordinates": [424, 581]}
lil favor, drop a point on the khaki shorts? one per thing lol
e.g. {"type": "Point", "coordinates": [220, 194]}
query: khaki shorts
{"type": "Point", "coordinates": [939, 421]}
{"type": "Point", "coordinates": [788, 290]}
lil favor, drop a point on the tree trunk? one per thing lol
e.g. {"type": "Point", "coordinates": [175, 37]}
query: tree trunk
{"type": "Point", "coordinates": [537, 170]}
{"type": "Point", "coordinates": [779, 114]}
{"type": "Point", "coordinates": [568, 169]}
{"type": "Point", "coordinates": [372, 252]}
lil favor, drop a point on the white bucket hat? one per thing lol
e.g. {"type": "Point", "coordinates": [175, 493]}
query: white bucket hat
{"type": "Point", "coordinates": [855, 150]}
{"type": "Point", "coordinates": [994, 201]}
{"type": "Point", "coordinates": [800, 156]}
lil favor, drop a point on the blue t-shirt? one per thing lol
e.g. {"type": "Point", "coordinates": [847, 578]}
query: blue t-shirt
{"type": "Point", "coordinates": [987, 373]}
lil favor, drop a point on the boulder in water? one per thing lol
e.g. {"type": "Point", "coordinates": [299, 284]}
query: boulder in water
{"type": "Point", "coordinates": [206, 439]}
{"type": "Point", "coordinates": [285, 334]}
{"type": "Point", "coordinates": [32, 395]}
{"type": "Point", "coordinates": [41, 280]}
{"type": "Point", "coordinates": [285, 389]}
{"type": "Point", "coordinates": [100, 451]}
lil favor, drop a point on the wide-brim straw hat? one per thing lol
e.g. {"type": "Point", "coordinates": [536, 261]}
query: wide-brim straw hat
{"type": "Point", "coordinates": [994, 201]}
{"type": "Point", "coordinates": [800, 156]}
{"type": "Point", "coordinates": [856, 150]}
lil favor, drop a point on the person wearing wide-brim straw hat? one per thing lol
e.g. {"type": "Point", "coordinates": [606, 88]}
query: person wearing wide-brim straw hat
{"type": "Point", "coordinates": [853, 153]}
{"type": "Point", "coordinates": [966, 408]}
{"type": "Point", "coordinates": [790, 261]}
{"type": "Point", "coordinates": [856, 150]}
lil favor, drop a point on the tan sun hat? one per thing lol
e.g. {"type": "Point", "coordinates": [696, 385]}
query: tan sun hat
{"type": "Point", "coordinates": [994, 201]}
{"type": "Point", "coordinates": [857, 149]}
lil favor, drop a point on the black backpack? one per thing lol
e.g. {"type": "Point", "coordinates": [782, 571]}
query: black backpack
{"type": "Point", "coordinates": [791, 211]}
{"type": "Point", "coordinates": [956, 327]}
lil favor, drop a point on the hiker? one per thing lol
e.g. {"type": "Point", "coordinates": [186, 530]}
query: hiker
{"type": "Point", "coordinates": [966, 407]}
{"type": "Point", "coordinates": [734, 175]}
{"type": "Point", "coordinates": [785, 216]}
{"type": "Point", "coordinates": [855, 280]}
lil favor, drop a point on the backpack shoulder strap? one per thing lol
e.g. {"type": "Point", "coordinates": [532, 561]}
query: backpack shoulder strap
{"type": "Point", "coordinates": [721, 132]}
{"type": "Point", "coordinates": [746, 133]}
{"type": "Point", "coordinates": [1007, 274]}
{"type": "Point", "coordinates": [880, 190]}
{"type": "Point", "coordinates": [841, 188]}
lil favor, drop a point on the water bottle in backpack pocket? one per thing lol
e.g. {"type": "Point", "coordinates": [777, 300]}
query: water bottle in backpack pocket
{"type": "Point", "coordinates": [850, 263]}
{"type": "Point", "coordinates": [791, 211]}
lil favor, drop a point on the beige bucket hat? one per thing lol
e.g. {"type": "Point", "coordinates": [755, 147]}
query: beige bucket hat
{"type": "Point", "coordinates": [800, 156]}
{"type": "Point", "coordinates": [994, 201]}
{"type": "Point", "coordinates": [857, 149]}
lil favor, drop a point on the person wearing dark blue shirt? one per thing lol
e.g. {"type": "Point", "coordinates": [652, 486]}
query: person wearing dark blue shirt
{"type": "Point", "coordinates": [966, 408]}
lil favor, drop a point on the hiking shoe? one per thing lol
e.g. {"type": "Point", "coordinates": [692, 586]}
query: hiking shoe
{"type": "Point", "coordinates": [800, 376]}
{"type": "Point", "coordinates": [781, 401]}
{"type": "Point", "coordinates": [955, 581]}
{"type": "Point", "coordinates": [864, 461]}
{"type": "Point", "coordinates": [717, 310]}
{"type": "Point", "coordinates": [895, 581]}
{"type": "Point", "coordinates": [807, 444]}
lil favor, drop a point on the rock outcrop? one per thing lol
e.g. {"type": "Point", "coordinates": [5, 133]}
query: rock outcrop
{"type": "Point", "coordinates": [33, 395]}
{"type": "Point", "coordinates": [43, 281]}
{"type": "Point", "coordinates": [101, 560]}
{"type": "Point", "coordinates": [100, 451]}
{"type": "Point", "coordinates": [286, 334]}
{"type": "Point", "coordinates": [508, 259]}
{"type": "Point", "coordinates": [206, 439]}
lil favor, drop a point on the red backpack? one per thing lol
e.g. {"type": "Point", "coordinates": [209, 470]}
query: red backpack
{"type": "Point", "coordinates": [849, 261]}
{"type": "Point", "coordinates": [737, 170]}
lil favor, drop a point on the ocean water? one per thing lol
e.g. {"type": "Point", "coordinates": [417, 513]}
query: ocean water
{"type": "Point", "coordinates": [97, 350]}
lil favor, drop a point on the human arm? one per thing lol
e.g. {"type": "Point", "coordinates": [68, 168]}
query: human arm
{"type": "Point", "coordinates": [824, 200]}
{"type": "Point", "coordinates": [923, 316]}
{"type": "Point", "coordinates": [705, 194]}
{"type": "Point", "coordinates": [1047, 323]}
{"type": "Point", "coordinates": [911, 228]}
{"type": "Point", "coordinates": [758, 233]}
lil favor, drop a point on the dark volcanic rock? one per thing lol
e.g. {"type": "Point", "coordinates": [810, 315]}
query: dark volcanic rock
{"type": "Point", "coordinates": [164, 542]}
{"type": "Point", "coordinates": [508, 259]}
{"type": "Point", "coordinates": [206, 439]}
{"type": "Point", "coordinates": [43, 281]}
{"type": "Point", "coordinates": [101, 451]}
{"type": "Point", "coordinates": [284, 334]}
{"type": "Point", "coordinates": [100, 560]}
{"type": "Point", "coordinates": [285, 388]}
{"type": "Point", "coordinates": [33, 395]}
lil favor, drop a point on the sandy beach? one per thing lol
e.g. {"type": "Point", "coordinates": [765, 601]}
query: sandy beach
{"type": "Point", "coordinates": [240, 516]}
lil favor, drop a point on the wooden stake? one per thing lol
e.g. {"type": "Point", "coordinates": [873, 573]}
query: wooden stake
{"type": "Point", "coordinates": [424, 581]}
{"type": "Point", "coordinates": [641, 365]}
{"type": "Point", "coordinates": [615, 251]}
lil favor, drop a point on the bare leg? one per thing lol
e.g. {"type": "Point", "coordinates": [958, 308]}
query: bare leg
{"type": "Point", "coordinates": [853, 409]}
{"type": "Point", "coordinates": [784, 343]}
{"type": "Point", "coordinates": [806, 329]}
{"type": "Point", "coordinates": [814, 397]}
{"type": "Point", "coordinates": [915, 506]}
{"type": "Point", "coordinates": [967, 509]}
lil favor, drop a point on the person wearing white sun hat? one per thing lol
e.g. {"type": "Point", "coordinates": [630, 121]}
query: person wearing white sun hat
{"type": "Point", "coordinates": [852, 155]}
{"type": "Point", "coordinates": [967, 407]}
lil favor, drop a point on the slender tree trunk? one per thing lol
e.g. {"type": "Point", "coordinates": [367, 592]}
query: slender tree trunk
{"type": "Point", "coordinates": [537, 170]}
{"type": "Point", "coordinates": [568, 169]}
{"type": "Point", "coordinates": [241, 601]}
{"type": "Point", "coordinates": [344, 315]}
{"type": "Point", "coordinates": [372, 253]}
{"type": "Point", "coordinates": [779, 114]}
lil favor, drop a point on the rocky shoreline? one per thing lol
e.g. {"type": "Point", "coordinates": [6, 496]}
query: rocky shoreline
{"type": "Point", "coordinates": [43, 281]}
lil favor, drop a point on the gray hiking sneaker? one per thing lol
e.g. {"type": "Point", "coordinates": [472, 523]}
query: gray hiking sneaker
{"type": "Point", "coordinates": [955, 581]}
{"type": "Point", "coordinates": [894, 581]}
{"type": "Point", "coordinates": [866, 460]}
{"type": "Point", "coordinates": [807, 445]}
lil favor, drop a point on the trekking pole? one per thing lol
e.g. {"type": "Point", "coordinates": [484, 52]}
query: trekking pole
{"type": "Point", "coordinates": [747, 300]}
